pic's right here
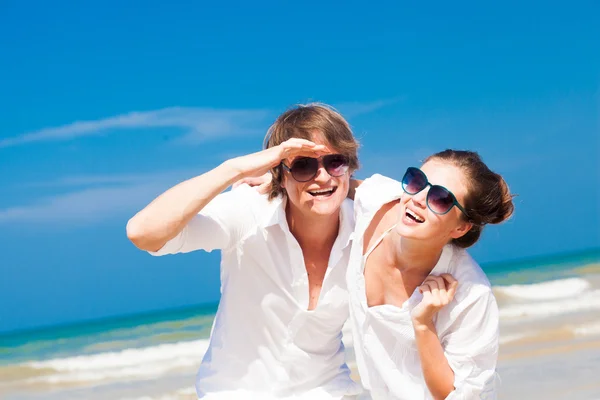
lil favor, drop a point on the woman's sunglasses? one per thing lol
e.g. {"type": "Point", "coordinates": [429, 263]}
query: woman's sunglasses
{"type": "Point", "coordinates": [304, 169]}
{"type": "Point", "coordinates": [439, 199]}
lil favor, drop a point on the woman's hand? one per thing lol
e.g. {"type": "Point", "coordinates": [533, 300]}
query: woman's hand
{"type": "Point", "coordinates": [438, 292]}
{"type": "Point", "coordinates": [258, 164]}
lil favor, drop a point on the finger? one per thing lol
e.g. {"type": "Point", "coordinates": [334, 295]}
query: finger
{"type": "Point", "coordinates": [438, 289]}
{"type": "Point", "coordinates": [448, 278]}
{"type": "Point", "coordinates": [452, 291]}
{"type": "Point", "coordinates": [304, 152]}
{"type": "Point", "coordinates": [428, 292]}
{"type": "Point", "coordinates": [296, 142]}
{"type": "Point", "coordinates": [241, 182]}
{"type": "Point", "coordinates": [438, 295]}
{"type": "Point", "coordinates": [435, 292]}
{"type": "Point", "coordinates": [264, 188]}
{"type": "Point", "coordinates": [433, 281]}
{"type": "Point", "coordinates": [300, 144]}
{"type": "Point", "coordinates": [444, 287]}
{"type": "Point", "coordinates": [451, 284]}
{"type": "Point", "coordinates": [425, 288]}
{"type": "Point", "coordinates": [254, 181]}
{"type": "Point", "coordinates": [432, 295]}
{"type": "Point", "coordinates": [444, 299]}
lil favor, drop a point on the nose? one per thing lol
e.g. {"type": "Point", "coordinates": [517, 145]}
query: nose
{"type": "Point", "coordinates": [322, 174]}
{"type": "Point", "coordinates": [420, 199]}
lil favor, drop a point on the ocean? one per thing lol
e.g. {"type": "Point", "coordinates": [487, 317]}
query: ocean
{"type": "Point", "coordinates": [549, 315]}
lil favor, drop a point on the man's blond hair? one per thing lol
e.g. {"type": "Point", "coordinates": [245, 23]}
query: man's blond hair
{"type": "Point", "coordinates": [303, 121]}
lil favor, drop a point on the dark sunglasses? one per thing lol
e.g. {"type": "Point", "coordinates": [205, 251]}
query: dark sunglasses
{"type": "Point", "coordinates": [439, 199]}
{"type": "Point", "coordinates": [303, 169]}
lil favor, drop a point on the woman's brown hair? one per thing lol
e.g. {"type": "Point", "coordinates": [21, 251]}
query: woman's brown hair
{"type": "Point", "coordinates": [488, 199]}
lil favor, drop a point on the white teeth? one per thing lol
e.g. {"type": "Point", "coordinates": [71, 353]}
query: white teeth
{"type": "Point", "coordinates": [415, 216]}
{"type": "Point", "coordinates": [321, 191]}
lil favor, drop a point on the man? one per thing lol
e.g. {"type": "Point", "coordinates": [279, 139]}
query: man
{"type": "Point", "coordinates": [277, 331]}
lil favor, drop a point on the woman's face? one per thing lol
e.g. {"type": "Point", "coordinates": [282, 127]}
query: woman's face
{"type": "Point", "coordinates": [416, 221]}
{"type": "Point", "coordinates": [323, 194]}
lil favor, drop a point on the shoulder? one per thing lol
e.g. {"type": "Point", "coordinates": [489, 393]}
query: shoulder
{"type": "Point", "coordinates": [473, 284]}
{"type": "Point", "coordinates": [241, 202]}
{"type": "Point", "coordinates": [376, 191]}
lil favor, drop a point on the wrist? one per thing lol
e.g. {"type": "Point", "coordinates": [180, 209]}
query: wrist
{"type": "Point", "coordinates": [423, 324]}
{"type": "Point", "coordinates": [232, 170]}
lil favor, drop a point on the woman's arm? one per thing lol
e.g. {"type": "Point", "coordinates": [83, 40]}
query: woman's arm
{"type": "Point", "coordinates": [439, 377]}
{"type": "Point", "coordinates": [438, 291]}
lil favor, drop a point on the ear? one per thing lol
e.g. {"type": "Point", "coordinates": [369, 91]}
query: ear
{"type": "Point", "coordinates": [461, 229]}
{"type": "Point", "coordinates": [283, 180]}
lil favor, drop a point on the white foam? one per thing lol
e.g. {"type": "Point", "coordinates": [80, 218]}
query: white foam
{"type": "Point", "coordinates": [586, 301]}
{"type": "Point", "coordinates": [511, 338]}
{"type": "Point", "coordinates": [182, 393]}
{"type": "Point", "coordinates": [129, 364]}
{"type": "Point", "coordinates": [587, 330]}
{"type": "Point", "coordinates": [558, 289]}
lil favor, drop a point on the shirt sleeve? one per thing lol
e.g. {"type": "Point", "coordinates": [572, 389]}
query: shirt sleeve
{"type": "Point", "coordinates": [218, 226]}
{"type": "Point", "coordinates": [471, 347]}
{"type": "Point", "coordinates": [375, 192]}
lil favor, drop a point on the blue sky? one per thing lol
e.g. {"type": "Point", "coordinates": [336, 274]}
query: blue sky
{"type": "Point", "coordinates": [105, 105]}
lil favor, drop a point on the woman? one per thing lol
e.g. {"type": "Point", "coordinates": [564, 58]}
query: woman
{"type": "Point", "coordinates": [423, 315]}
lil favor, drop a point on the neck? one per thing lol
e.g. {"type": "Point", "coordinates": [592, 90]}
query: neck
{"type": "Point", "coordinates": [415, 256]}
{"type": "Point", "coordinates": [313, 231]}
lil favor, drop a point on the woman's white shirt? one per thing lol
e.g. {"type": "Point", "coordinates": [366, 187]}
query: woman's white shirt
{"type": "Point", "coordinates": [384, 341]}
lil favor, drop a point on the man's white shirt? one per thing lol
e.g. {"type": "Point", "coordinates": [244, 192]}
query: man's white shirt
{"type": "Point", "coordinates": [264, 342]}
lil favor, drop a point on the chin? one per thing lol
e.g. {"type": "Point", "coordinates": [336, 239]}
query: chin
{"type": "Point", "coordinates": [410, 232]}
{"type": "Point", "coordinates": [324, 209]}
{"type": "Point", "coordinates": [328, 207]}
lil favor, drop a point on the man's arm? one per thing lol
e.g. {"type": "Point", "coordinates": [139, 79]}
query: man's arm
{"type": "Point", "coordinates": [164, 218]}
{"type": "Point", "coordinates": [160, 221]}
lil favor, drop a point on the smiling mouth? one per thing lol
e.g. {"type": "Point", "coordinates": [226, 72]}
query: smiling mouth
{"type": "Point", "coordinates": [414, 216]}
{"type": "Point", "coordinates": [322, 192]}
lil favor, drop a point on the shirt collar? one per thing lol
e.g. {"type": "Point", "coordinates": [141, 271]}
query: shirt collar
{"type": "Point", "coordinates": [443, 264]}
{"type": "Point", "coordinates": [346, 222]}
{"type": "Point", "coordinates": [275, 215]}
{"type": "Point", "coordinates": [275, 212]}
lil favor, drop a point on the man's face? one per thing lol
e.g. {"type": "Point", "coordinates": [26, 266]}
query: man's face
{"type": "Point", "coordinates": [323, 194]}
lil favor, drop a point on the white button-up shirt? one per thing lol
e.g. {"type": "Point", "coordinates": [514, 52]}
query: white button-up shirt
{"type": "Point", "coordinates": [384, 340]}
{"type": "Point", "coordinates": [264, 342]}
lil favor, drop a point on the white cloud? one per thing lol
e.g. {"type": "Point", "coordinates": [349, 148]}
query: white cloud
{"type": "Point", "coordinates": [115, 179]}
{"type": "Point", "coordinates": [354, 109]}
{"type": "Point", "coordinates": [94, 198]}
{"type": "Point", "coordinates": [82, 207]}
{"type": "Point", "coordinates": [198, 123]}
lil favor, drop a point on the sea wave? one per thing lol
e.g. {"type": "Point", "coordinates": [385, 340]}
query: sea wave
{"type": "Point", "coordinates": [586, 301]}
{"type": "Point", "coordinates": [135, 363]}
{"type": "Point", "coordinates": [556, 289]}
{"type": "Point", "coordinates": [560, 332]}
{"type": "Point", "coordinates": [592, 329]}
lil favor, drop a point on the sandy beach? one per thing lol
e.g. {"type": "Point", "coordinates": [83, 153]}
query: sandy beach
{"type": "Point", "coordinates": [549, 345]}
